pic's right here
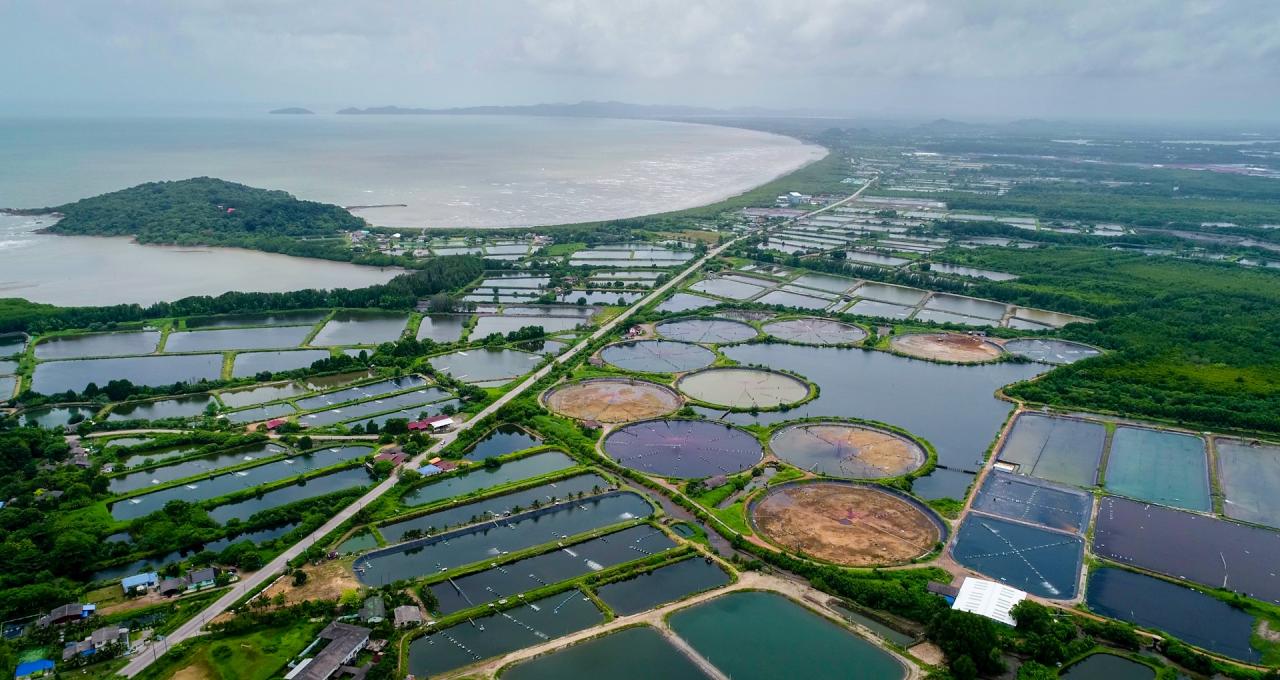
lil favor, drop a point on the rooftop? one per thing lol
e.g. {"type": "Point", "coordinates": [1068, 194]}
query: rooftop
{"type": "Point", "coordinates": [988, 598]}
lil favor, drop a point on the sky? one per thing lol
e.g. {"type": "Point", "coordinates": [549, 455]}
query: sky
{"type": "Point", "coordinates": [968, 59]}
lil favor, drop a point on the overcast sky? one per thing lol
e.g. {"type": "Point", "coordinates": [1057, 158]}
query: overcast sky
{"type": "Point", "coordinates": [1178, 59]}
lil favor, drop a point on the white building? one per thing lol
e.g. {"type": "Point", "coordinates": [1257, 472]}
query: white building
{"type": "Point", "coordinates": [988, 598]}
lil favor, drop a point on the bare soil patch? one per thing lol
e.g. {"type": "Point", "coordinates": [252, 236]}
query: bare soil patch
{"type": "Point", "coordinates": [324, 582]}
{"type": "Point", "coordinates": [845, 524]}
{"type": "Point", "coordinates": [954, 347]}
{"type": "Point", "coordinates": [195, 671]}
{"type": "Point", "coordinates": [612, 400]}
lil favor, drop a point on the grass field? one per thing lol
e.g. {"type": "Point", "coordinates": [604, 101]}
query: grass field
{"type": "Point", "coordinates": [260, 655]}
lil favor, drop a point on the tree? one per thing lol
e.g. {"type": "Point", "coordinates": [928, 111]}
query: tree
{"type": "Point", "coordinates": [1036, 671]}
{"type": "Point", "coordinates": [963, 635]}
{"type": "Point", "coordinates": [299, 577]}
{"type": "Point", "coordinates": [304, 442]}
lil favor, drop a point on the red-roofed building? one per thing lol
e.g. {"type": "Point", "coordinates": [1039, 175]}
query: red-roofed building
{"type": "Point", "coordinates": [276, 422]}
{"type": "Point", "coordinates": [396, 457]}
{"type": "Point", "coordinates": [446, 465]}
{"type": "Point", "coordinates": [432, 424]}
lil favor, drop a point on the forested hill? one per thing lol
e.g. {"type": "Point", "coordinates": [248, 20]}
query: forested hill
{"type": "Point", "coordinates": [202, 210]}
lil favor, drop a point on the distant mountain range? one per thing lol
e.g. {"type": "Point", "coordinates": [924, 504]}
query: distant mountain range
{"type": "Point", "coordinates": [292, 110]}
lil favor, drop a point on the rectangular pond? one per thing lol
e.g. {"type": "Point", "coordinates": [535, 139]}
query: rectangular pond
{"type": "Point", "coordinates": [502, 632]}
{"type": "Point", "coordinates": [662, 585]}
{"type": "Point", "coordinates": [1206, 550]}
{"type": "Point", "coordinates": [1060, 450]}
{"type": "Point", "coordinates": [221, 485]}
{"type": "Point", "coordinates": [967, 306]}
{"type": "Point", "coordinates": [500, 441]}
{"type": "Point", "coordinates": [412, 413]}
{"type": "Point", "coordinates": [483, 478]}
{"type": "Point", "coordinates": [863, 257]}
{"type": "Point", "coordinates": [260, 395]}
{"type": "Point", "coordinates": [442, 327]}
{"type": "Point", "coordinates": [1039, 561]}
{"type": "Point", "coordinates": [260, 413]}
{"type": "Point", "coordinates": [734, 290]}
{"type": "Point", "coordinates": [361, 327]}
{"type": "Point", "coordinates": [744, 635]}
{"type": "Point", "coordinates": [684, 302]}
{"type": "Point", "coordinates": [59, 376]}
{"type": "Point", "coordinates": [1035, 501]}
{"type": "Point", "coordinates": [971, 272]}
{"type": "Point", "coordinates": [249, 364]}
{"type": "Point", "coordinates": [887, 292]}
{"type": "Point", "coordinates": [379, 405]}
{"type": "Point", "coordinates": [561, 564]}
{"type": "Point", "coordinates": [1162, 467]}
{"type": "Point", "coordinates": [361, 392]}
{"type": "Point", "coordinates": [342, 480]}
{"type": "Point", "coordinates": [638, 653]}
{"type": "Point", "coordinates": [788, 299]}
{"type": "Point", "coordinates": [190, 468]}
{"type": "Point", "coordinates": [1190, 615]}
{"type": "Point", "coordinates": [881, 309]}
{"type": "Point", "coordinates": [270, 337]}
{"type": "Point", "coordinates": [138, 566]}
{"type": "Point", "coordinates": [1249, 473]}
{"type": "Point", "coordinates": [496, 506]}
{"type": "Point", "coordinates": [98, 345]}
{"type": "Point", "coordinates": [831, 284]}
{"type": "Point", "coordinates": [181, 407]}
{"type": "Point", "coordinates": [485, 364]}
{"type": "Point", "coordinates": [939, 316]}
{"type": "Point", "coordinates": [952, 406]}
{"type": "Point", "coordinates": [486, 541]}
{"type": "Point", "coordinates": [56, 416]}
{"type": "Point", "coordinates": [487, 325]}
{"type": "Point", "coordinates": [295, 318]}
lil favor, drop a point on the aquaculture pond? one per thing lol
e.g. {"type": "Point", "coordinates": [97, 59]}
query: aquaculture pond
{"type": "Point", "coordinates": [881, 309]}
{"type": "Point", "coordinates": [1034, 501]}
{"type": "Point", "coordinates": [181, 407]}
{"type": "Point", "coordinates": [971, 272]}
{"type": "Point", "coordinates": [259, 536]}
{"type": "Point", "coordinates": [789, 299]}
{"type": "Point", "coordinates": [726, 288]}
{"type": "Point", "coordinates": [875, 258]}
{"type": "Point", "coordinates": [341, 480]}
{"type": "Point", "coordinates": [270, 337]}
{"type": "Point", "coordinates": [939, 316]}
{"type": "Point", "coordinates": [1250, 474]}
{"type": "Point", "coordinates": [59, 376]}
{"type": "Point", "coordinates": [1041, 562]}
{"type": "Point", "coordinates": [1061, 450]}
{"type": "Point", "coordinates": [1108, 667]}
{"type": "Point", "coordinates": [638, 653]}
{"type": "Point", "coordinates": [561, 564]}
{"type": "Point", "coordinates": [1162, 467]}
{"type": "Point", "coordinates": [500, 441]}
{"type": "Point", "coordinates": [683, 448]}
{"type": "Point", "coordinates": [966, 306]}
{"type": "Point", "coordinates": [442, 327]}
{"type": "Point", "coordinates": [98, 345]}
{"type": "Point", "coordinates": [190, 468]}
{"type": "Point", "coordinates": [1050, 351]}
{"type": "Point", "coordinates": [502, 632]}
{"type": "Point", "coordinates": [611, 400]}
{"type": "Point", "coordinates": [485, 364]}
{"type": "Point", "coordinates": [897, 638]}
{"type": "Point", "coordinates": [847, 450]}
{"type": "Point", "coordinates": [1190, 615]}
{"type": "Point", "coordinates": [260, 413]}
{"type": "Point", "coordinates": [743, 388]}
{"type": "Point", "coordinates": [363, 327]}
{"type": "Point", "coordinates": [328, 382]}
{"type": "Point", "coordinates": [710, 331]}
{"type": "Point", "coordinates": [500, 536]}
{"type": "Point", "coordinates": [249, 364]}
{"type": "Point", "coordinates": [402, 400]}
{"type": "Point", "coordinates": [685, 302]}
{"type": "Point", "coordinates": [8, 384]}
{"type": "Point", "coordinates": [831, 284]}
{"type": "Point", "coordinates": [361, 392]}
{"type": "Point", "coordinates": [815, 332]}
{"type": "Point", "coordinates": [157, 455]}
{"type": "Point", "coordinates": [487, 325]}
{"type": "Point", "coordinates": [412, 413]}
{"type": "Point", "coordinates": [1202, 549]}
{"type": "Point", "coordinates": [953, 407]}
{"type": "Point", "coordinates": [742, 635]}
{"type": "Point", "coordinates": [56, 416]}
{"type": "Point", "coordinates": [657, 356]}
{"type": "Point", "coordinates": [221, 485]}
{"type": "Point", "coordinates": [260, 395]}
{"type": "Point", "coordinates": [298, 318]}
{"type": "Point", "coordinates": [496, 506]}
{"type": "Point", "coordinates": [12, 344]}
{"type": "Point", "coordinates": [662, 585]}
{"type": "Point", "coordinates": [483, 478]}
{"type": "Point", "coordinates": [885, 292]}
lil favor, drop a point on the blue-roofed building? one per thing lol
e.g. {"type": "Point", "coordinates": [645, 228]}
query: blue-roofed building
{"type": "Point", "coordinates": [428, 470]}
{"type": "Point", "coordinates": [33, 669]}
{"type": "Point", "coordinates": [140, 582]}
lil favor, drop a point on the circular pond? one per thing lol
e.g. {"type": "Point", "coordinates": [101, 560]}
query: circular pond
{"type": "Point", "coordinates": [847, 450]}
{"type": "Point", "coordinates": [743, 387]}
{"type": "Point", "coordinates": [813, 331]}
{"type": "Point", "coordinates": [953, 347]}
{"type": "Point", "coordinates": [612, 400]}
{"type": "Point", "coordinates": [710, 331]}
{"type": "Point", "coordinates": [846, 524]}
{"type": "Point", "coordinates": [1050, 351]}
{"type": "Point", "coordinates": [658, 356]}
{"type": "Point", "coordinates": [683, 448]}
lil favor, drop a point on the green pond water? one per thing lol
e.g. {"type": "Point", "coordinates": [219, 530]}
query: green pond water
{"type": "Point", "coordinates": [1108, 667]}
{"type": "Point", "coordinates": [630, 654]}
{"type": "Point", "coordinates": [751, 635]}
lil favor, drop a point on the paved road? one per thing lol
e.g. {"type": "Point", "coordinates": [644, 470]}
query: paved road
{"type": "Point", "coordinates": [146, 656]}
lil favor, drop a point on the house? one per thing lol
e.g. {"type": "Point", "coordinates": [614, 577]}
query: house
{"type": "Point", "coordinates": [592, 424]}
{"type": "Point", "coordinates": [428, 470]}
{"type": "Point", "coordinates": [198, 579]}
{"type": "Point", "coordinates": [173, 586]}
{"type": "Point", "coordinates": [276, 422]}
{"type": "Point", "coordinates": [432, 424]}
{"type": "Point", "coordinates": [446, 465]}
{"type": "Point", "coordinates": [406, 615]}
{"type": "Point", "coordinates": [993, 600]}
{"type": "Point", "coordinates": [66, 614]}
{"type": "Point", "coordinates": [33, 669]}
{"type": "Point", "coordinates": [396, 458]}
{"type": "Point", "coordinates": [140, 583]}
{"type": "Point", "coordinates": [374, 610]}
{"type": "Point", "coordinates": [98, 639]}
{"type": "Point", "coordinates": [342, 642]}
